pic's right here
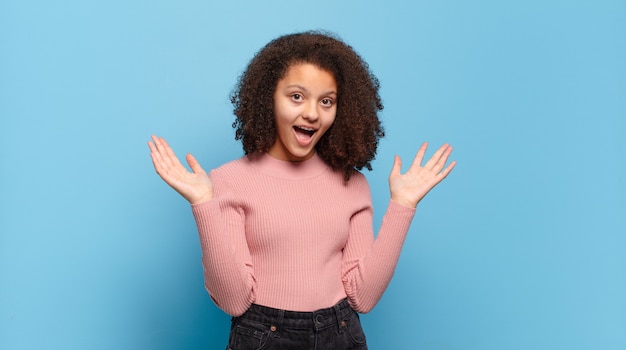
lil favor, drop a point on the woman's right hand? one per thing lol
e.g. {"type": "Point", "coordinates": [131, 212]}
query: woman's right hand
{"type": "Point", "coordinates": [195, 186]}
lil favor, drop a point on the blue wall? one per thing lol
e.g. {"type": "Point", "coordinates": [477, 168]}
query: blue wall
{"type": "Point", "coordinates": [522, 247]}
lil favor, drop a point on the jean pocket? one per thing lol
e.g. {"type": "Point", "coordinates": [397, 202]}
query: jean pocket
{"type": "Point", "coordinates": [248, 335]}
{"type": "Point", "coordinates": [352, 326]}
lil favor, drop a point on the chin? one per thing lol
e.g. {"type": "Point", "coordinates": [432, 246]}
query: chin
{"type": "Point", "coordinates": [300, 156]}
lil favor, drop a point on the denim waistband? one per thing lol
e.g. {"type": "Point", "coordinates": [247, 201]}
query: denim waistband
{"type": "Point", "coordinates": [318, 320]}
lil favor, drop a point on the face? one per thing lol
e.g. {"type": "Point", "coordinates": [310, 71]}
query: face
{"type": "Point", "coordinates": [304, 109]}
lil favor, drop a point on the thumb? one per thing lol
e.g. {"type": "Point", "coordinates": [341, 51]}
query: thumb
{"type": "Point", "coordinates": [397, 165]}
{"type": "Point", "coordinates": [193, 163]}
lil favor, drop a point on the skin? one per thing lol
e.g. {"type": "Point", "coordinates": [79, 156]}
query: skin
{"type": "Point", "coordinates": [304, 97]}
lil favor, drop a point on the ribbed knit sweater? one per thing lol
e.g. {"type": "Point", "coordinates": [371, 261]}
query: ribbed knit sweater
{"type": "Point", "coordinates": [295, 236]}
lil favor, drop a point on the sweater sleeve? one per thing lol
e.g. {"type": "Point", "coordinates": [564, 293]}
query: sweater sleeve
{"type": "Point", "coordinates": [228, 270]}
{"type": "Point", "coordinates": [368, 263]}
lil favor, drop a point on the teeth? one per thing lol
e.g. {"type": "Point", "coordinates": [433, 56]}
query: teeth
{"type": "Point", "coordinates": [309, 131]}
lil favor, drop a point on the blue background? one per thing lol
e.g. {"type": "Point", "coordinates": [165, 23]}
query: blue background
{"type": "Point", "coordinates": [522, 247]}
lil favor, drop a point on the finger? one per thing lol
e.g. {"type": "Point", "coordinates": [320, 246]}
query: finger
{"type": "Point", "coordinates": [194, 165]}
{"type": "Point", "coordinates": [441, 162]}
{"type": "Point", "coordinates": [162, 146]}
{"type": "Point", "coordinates": [160, 162]}
{"type": "Point", "coordinates": [157, 162]}
{"type": "Point", "coordinates": [419, 156]}
{"type": "Point", "coordinates": [159, 158]}
{"type": "Point", "coordinates": [448, 170]}
{"type": "Point", "coordinates": [434, 160]}
{"type": "Point", "coordinates": [158, 146]}
{"type": "Point", "coordinates": [152, 147]}
{"type": "Point", "coordinates": [167, 155]}
{"type": "Point", "coordinates": [155, 155]}
{"type": "Point", "coordinates": [397, 165]}
{"type": "Point", "coordinates": [166, 147]}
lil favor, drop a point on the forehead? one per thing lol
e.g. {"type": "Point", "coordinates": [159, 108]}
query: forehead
{"type": "Point", "coordinates": [309, 74]}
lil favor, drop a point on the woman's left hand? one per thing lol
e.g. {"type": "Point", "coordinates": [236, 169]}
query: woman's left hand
{"type": "Point", "coordinates": [409, 188]}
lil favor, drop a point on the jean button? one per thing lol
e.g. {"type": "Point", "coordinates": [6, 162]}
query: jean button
{"type": "Point", "coordinates": [319, 318]}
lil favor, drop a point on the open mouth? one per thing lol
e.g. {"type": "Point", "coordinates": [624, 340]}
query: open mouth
{"type": "Point", "coordinates": [304, 131]}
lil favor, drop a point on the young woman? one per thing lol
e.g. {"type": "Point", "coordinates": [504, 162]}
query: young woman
{"type": "Point", "coordinates": [286, 232]}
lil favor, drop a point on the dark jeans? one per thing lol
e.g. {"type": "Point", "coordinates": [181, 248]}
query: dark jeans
{"type": "Point", "coordinates": [335, 328]}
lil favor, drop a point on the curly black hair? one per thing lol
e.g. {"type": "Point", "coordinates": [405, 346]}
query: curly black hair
{"type": "Point", "coordinates": [351, 142]}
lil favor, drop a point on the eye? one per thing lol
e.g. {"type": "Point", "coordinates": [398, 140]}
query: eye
{"type": "Point", "coordinates": [327, 102]}
{"type": "Point", "coordinates": [296, 97]}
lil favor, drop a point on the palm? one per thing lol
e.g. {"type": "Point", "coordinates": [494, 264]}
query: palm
{"type": "Point", "coordinates": [409, 188]}
{"type": "Point", "coordinates": [195, 186]}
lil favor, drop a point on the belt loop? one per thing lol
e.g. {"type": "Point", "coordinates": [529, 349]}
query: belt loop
{"type": "Point", "coordinates": [338, 317]}
{"type": "Point", "coordinates": [281, 316]}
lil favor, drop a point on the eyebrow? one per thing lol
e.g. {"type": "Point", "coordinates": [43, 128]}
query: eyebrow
{"type": "Point", "coordinates": [300, 87]}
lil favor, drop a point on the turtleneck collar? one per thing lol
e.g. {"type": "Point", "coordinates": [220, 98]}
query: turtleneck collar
{"type": "Point", "coordinates": [282, 169]}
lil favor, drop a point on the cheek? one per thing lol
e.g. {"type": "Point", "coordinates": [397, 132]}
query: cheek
{"type": "Point", "coordinates": [285, 112]}
{"type": "Point", "coordinates": [281, 120]}
{"type": "Point", "coordinates": [331, 118]}
{"type": "Point", "coordinates": [328, 123]}
{"type": "Point", "coordinates": [280, 116]}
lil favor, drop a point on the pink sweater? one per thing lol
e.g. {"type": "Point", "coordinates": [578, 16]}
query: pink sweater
{"type": "Point", "coordinates": [295, 236]}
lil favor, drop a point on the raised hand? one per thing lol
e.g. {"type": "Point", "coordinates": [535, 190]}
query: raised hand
{"type": "Point", "coordinates": [409, 188]}
{"type": "Point", "coordinates": [195, 186]}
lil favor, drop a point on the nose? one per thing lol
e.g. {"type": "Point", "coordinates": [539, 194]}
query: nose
{"type": "Point", "coordinates": [311, 111]}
